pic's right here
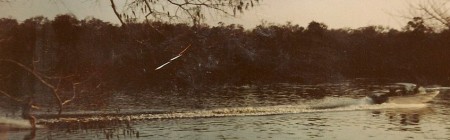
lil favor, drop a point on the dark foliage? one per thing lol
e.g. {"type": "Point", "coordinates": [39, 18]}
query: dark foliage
{"type": "Point", "coordinates": [125, 57]}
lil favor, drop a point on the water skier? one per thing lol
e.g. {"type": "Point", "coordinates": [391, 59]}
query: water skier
{"type": "Point", "coordinates": [27, 107]}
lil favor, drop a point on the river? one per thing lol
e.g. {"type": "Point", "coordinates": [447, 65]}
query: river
{"type": "Point", "coordinates": [276, 111]}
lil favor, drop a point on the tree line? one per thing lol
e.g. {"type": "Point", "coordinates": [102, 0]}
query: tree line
{"type": "Point", "coordinates": [103, 56]}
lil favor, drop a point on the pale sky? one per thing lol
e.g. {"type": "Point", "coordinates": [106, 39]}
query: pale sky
{"type": "Point", "coordinates": [334, 13]}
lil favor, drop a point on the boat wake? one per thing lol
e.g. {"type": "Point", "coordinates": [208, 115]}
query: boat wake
{"type": "Point", "coordinates": [11, 123]}
{"type": "Point", "coordinates": [328, 104]}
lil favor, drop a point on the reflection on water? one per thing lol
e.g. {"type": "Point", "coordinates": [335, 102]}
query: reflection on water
{"type": "Point", "coordinates": [280, 111]}
{"type": "Point", "coordinates": [30, 136]}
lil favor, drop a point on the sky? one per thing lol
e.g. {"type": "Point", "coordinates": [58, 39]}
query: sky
{"type": "Point", "coordinates": [334, 13]}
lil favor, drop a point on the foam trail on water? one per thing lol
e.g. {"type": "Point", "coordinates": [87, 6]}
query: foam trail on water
{"type": "Point", "coordinates": [16, 123]}
{"type": "Point", "coordinates": [332, 102]}
{"type": "Point", "coordinates": [323, 105]}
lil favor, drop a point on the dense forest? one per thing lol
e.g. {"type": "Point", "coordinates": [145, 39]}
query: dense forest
{"type": "Point", "coordinates": [112, 57]}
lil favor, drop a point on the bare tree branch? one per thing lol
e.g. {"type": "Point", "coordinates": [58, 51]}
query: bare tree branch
{"type": "Point", "coordinates": [113, 6]}
{"type": "Point", "coordinates": [74, 90]}
{"type": "Point", "coordinates": [9, 96]}
{"type": "Point", "coordinates": [192, 9]}
{"type": "Point", "coordinates": [55, 89]}
{"type": "Point", "coordinates": [35, 74]}
{"type": "Point", "coordinates": [435, 10]}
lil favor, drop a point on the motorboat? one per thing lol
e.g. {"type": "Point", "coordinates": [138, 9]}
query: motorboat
{"type": "Point", "coordinates": [404, 93]}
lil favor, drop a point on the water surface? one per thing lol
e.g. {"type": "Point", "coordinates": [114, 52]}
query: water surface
{"type": "Point", "coordinates": [278, 111]}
